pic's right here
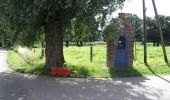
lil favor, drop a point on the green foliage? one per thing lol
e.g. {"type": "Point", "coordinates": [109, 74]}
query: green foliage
{"type": "Point", "coordinates": [152, 30]}
{"type": "Point", "coordinates": [137, 24]}
{"type": "Point", "coordinates": [111, 31]}
{"type": "Point", "coordinates": [83, 30]}
{"type": "Point", "coordinates": [52, 17]}
{"type": "Point", "coordinates": [27, 17]}
{"type": "Point", "coordinates": [153, 33]}
{"type": "Point", "coordinates": [5, 39]}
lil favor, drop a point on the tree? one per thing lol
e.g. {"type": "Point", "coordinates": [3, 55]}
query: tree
{"type": "Point", "coordinates": [153, 34]}
{"type": "Point", "coordinates": [6, 36]}
{"type": "Point", "coordinates": [53, 17]}
{"type": "Point", "coordinates": [165, 23]}
{"type": "Point", "coordinates": [111, 31]}
{"type": "Point", "coordinates": [137, 24]}
{"type": "Point", "coordinates": [152, 30]}
{"type": "Point", "coordinates": [82, 30]}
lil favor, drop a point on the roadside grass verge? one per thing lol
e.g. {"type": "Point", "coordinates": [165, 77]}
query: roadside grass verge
{"type": "Point", "coordinates": [17, 63]}
{"type": "Point", "coordinates": [78, 60]}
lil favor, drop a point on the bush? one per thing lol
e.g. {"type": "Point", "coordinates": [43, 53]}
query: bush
{"type": "Point", "coordinates": [26, 54]}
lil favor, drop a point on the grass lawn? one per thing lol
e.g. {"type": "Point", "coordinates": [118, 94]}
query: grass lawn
{"type": "Point", "coordinates": [78, 60]}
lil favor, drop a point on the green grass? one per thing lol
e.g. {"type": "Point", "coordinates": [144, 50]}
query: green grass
{"type": "Point", "coordinates": [156, 64]}
{"type": "Point", "coordinates": [78, 60]}
{"type": "Point", "coordinates": [17, 63]}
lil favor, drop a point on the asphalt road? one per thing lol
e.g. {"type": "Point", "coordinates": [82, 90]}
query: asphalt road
{"type": "Point", "coordinates": [15, 86]}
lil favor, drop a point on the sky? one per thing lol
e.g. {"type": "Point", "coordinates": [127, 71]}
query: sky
{"type": "Point", "coordinates": [135, 7]}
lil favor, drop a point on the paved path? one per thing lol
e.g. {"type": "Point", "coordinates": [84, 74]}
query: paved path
{"type": "Point", "coordinates": [3, 64]}
{"type": "Point", "coordinates": [14, 86]}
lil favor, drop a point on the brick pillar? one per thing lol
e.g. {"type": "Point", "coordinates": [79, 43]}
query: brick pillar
{"type": "Point", "coordinates": [129, 30]}
{"type": "Point", "coordinates": [110, 54]}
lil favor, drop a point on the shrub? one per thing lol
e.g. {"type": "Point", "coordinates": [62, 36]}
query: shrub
{"type": "Point", "coordinates": [26, 54]}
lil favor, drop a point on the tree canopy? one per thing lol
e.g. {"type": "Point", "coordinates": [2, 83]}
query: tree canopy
{"type": "Point", "coordinates": [153, 34]}
{"type": "Point", "coordinates": [33, 14]}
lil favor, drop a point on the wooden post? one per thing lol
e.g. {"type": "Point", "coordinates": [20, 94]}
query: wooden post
{"type": "Point", "coordinates": [160, 32]}
{"type": "Point", "coordinates": [91, 52]}
{"type": "Point", "coordinates": [144, 32]}
{"type": "Point", "coordinates": [135, 53]}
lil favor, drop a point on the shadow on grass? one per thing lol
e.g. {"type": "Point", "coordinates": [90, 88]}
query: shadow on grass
{"type": "Point", "coordinates": [127, 72]}
{"type": "Point", "coordinates": [153, 72]}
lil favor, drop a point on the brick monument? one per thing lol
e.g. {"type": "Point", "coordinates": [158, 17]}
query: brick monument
{"type": "Point", "coordinates": [120, 53]}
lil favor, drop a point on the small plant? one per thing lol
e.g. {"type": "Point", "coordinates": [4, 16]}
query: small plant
{"type": "Point", "coordinates": [26, 54]}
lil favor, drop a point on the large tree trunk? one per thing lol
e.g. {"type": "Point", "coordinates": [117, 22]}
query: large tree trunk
{"type": "Point", "coordinates": [54, 44]}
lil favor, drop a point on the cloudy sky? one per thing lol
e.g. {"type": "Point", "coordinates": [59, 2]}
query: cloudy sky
{"type": "Point", "coordinates": [135, 7]}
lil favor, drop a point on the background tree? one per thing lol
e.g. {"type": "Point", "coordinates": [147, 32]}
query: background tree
{"type": "Point", "coordinates": [137, 24]}
{"type": "Point", "coordinates": [6, 35]}
{"type": "Point", "coordinates": [153, 35]}
{"type": "Point", "coordinates": [111, 31]}
{"type": "Point", "coordinates": [152, 31]}
{"type": "Point", "coordinates": [53, 17]}
{"type": "Point", "coordinates": [165, 23]}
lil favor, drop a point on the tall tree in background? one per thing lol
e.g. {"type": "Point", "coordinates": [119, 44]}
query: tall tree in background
{"type": "Point", "coordinates": [53, 17]}
{"type": "Point", "coordinates": [153, 34]}
{"type": "Point", "coordinates": [152, 31]}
